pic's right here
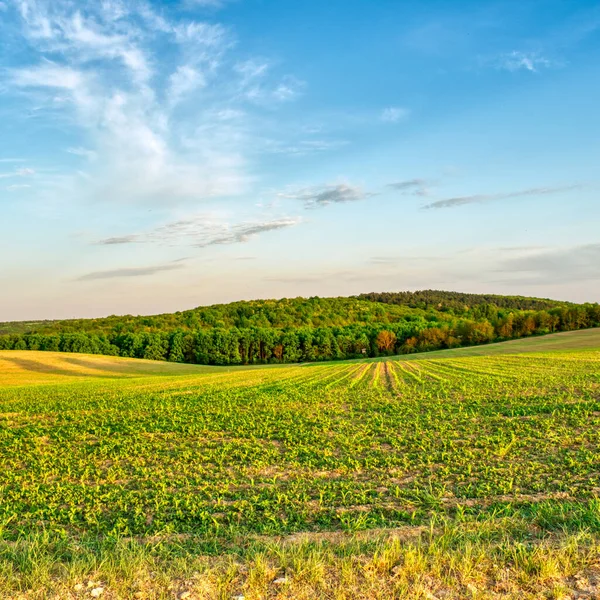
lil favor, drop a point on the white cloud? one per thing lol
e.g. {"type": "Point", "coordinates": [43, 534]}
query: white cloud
{"type": "Point", "coordinates": [394, 114]}
{"type": "Point", "coordinates": [118, 72]}
{"type": "Point", "coordinates": [185, 80]}
{"type": "Point", "coordinates": [49, 74]}
{"type": "Point", "coordinates": [203, 34]}
{"type": "Point", "coordinates": [286, 91]}
{"type": "Point", "coordinates": [59, 27]}
{"type": "Point", "coordinates": [528, 61]}
{"type": "Point", "coordinates": [251, 69]}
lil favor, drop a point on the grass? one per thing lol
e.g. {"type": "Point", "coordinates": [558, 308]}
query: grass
{"type": "Point", "coordinates": [434, 476]}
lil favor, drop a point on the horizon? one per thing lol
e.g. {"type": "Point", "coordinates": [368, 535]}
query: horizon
{"type": "Point", "coordinates": [162, 154]}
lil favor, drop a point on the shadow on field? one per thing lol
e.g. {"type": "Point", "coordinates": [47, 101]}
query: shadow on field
{"type": "Point", "coordinates": [90, 364]}
{"type": "Point", "coordinates": [39, 367]}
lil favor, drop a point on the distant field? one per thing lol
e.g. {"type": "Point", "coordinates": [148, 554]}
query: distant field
{"type": "Point", "coordinates": [568, 340]}
{"type": "Point", "coordinates": [471, 473]}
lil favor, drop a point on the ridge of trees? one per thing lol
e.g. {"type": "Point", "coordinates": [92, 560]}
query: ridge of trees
{"type": "Point", "coordinates": [309, 329]}
{"type": "Point", "coordinates": [459, 302]}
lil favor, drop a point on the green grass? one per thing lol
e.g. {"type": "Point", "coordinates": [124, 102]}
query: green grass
{"type": "Point", "coordinates": [441, 475]}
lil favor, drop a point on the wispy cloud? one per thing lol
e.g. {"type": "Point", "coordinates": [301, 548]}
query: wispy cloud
{"type": "Point", "coordinates": [251, 70]}
{"type": "Point", "coordinates": [288, 89]}
{"type": "Point", "coordinates": [328, 194]}
{"type": "Point", "coordinates": [17, 186]}
{"type": "Point", "coordinates": [413, 187]}
{"type": "Point", "coordinates": [56, 27]}
{"type": "Point", "coordinates": [528, 61]}
{"type": "Point", "coordinates": [301, 147]}
{"type": "Point", "coordinates": [482, 198]}
{"type": "Point", "coordinates": [84, 152]}
{"type": "Point", "coordinates": [129, 272]}
{"type": "Point", "coordinates": [394, 114]}
{"type": "Point", "coordinates": [120, 73]}
{"type": "Point", "coordinates": [24, 172]}
{"type": "Point", "coordinates": [185, 80]}
{"type": "Point", "coordinates": [203, 230]}
{"type": "Point", "coordinates": [206, 3]}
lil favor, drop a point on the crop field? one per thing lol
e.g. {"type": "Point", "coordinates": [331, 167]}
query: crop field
{"type": "Point", "coordinates": [443, 476]}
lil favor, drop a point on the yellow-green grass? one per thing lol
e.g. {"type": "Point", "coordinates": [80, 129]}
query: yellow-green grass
{"type": "Point", "coordinates": [24, 367]}
{"type": "Point", "coordinates": [450, 477]}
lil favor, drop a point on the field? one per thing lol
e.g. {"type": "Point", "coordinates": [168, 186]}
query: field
{"type": "Point", "coordinates": [461, 474]}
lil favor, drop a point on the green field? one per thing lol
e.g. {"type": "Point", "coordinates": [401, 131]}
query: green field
{"type": "Point", "coordinates": [471, 473]}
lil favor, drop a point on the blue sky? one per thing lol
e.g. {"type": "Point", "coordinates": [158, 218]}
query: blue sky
{"type": "Point", "coordinates": [155, 156]}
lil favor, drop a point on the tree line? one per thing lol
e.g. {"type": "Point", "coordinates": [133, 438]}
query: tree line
{"type": "Point", "coordinates": [458, 302]}
{"type": "Point", "coordinates": [418, 331]}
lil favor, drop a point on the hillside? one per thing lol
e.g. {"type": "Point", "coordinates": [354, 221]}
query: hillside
{"type": "Point", "coordinates": [307, 329]}
{"type": "Point", "coordinates": [292, 313]}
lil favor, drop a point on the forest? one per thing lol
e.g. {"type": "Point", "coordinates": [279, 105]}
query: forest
{"type": "Point", "coordinates": [307, 329]}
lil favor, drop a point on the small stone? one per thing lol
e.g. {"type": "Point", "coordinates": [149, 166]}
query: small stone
{"type": "Point", "coordinates": [238, 597]}
{"type": "Point", "coordinates": [184, 595]}
{"type": "Point", "coordinates": [280, 580]}
{"type": "Point", "coordinates": [78, 587]}
{"type": "Point", "coordinates": [97, 592]}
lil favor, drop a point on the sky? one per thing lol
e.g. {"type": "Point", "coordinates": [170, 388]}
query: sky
{"type": "Point", "coordinates": [160, 155]}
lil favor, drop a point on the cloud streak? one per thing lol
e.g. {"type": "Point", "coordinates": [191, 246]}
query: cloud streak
{"type": "Point", "coordinates": [329, 194]}
{"type": "Point", "coordinates": [128, 272]}
{"type": "Point", "coordinates": [484, 198]}
{"type": "Point", "coordinates": [202, 231]}
{"type": "Point", "coordinates": [413, 187]}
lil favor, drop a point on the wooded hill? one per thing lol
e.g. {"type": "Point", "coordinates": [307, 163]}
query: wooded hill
{"type": "Point", "coordinates": [307, 329]}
